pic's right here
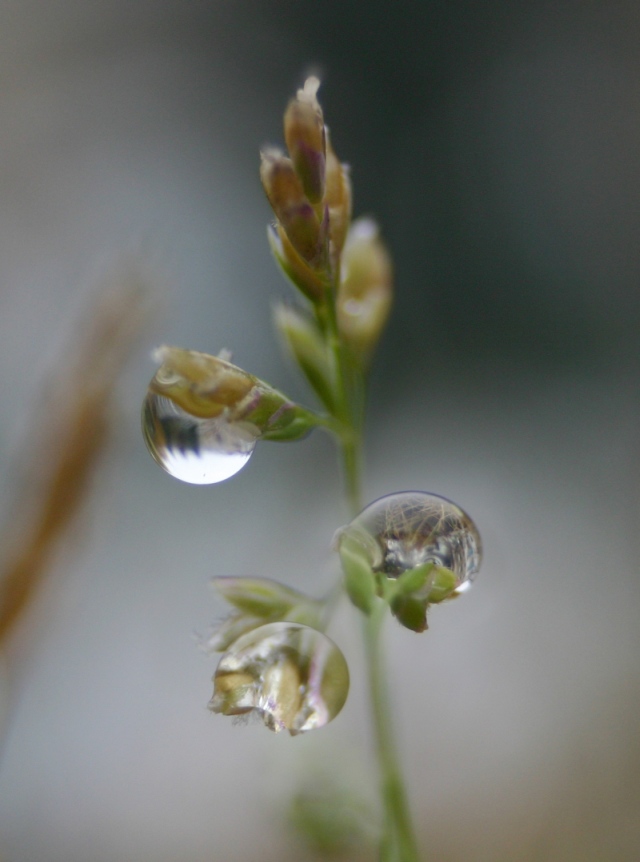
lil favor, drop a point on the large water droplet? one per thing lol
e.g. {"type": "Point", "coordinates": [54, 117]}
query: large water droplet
{"type": "Point", "coordinates": [199, 451]}
{"type": "Point", "coordinates": [293, 676]}
{"type": "Point", "coordinates": [402, 531]}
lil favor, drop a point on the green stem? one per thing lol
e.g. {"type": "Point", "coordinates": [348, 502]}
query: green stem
{"type": "Point", "coordinates": [398, 842]}
{"type": "Point", "coordinates": [348, 391]}
{"type": "Point", "coordinates": [351, 465]}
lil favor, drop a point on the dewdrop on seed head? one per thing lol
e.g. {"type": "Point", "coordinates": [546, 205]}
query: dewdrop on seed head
{"type": "Point", "coordinates": [291, 675]}
{"type": "Point", "coordinates": [202, 415]}
{"type": "Point", "coordinates": [188, 416]}
{"type": "Point", "coordinates": [403, 531]}
{"type": "Point", "coordinates": [194, 450]}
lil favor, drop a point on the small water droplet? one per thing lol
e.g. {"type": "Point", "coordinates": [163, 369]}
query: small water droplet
{"type": "Point", "coordinates": [293, 676]}
{"type": "Point", "coordinates": [411, 528]}
{"type": "Point", "coordinates": [199, 451]}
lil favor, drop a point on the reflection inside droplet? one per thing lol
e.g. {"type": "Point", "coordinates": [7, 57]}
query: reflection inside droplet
{"type": "Point", "coordinates": [356, 307]}
{"type": "Point", "coordinates": [199, 451]}
{"type": "Point", "coordinates": [293, 676]}
{"type": "Point", "coordinates": [405, 530]}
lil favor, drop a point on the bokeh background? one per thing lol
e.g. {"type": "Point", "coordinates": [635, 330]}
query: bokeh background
{"type": "Point", "coordinates": [498, 144]}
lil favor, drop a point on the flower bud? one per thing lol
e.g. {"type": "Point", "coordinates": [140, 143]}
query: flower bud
{"type": "Point", "coordinates": [207, 386]}
{"type": "Point", "coordinates": [259, 597]}
{"type": "Point", "coordinates": [293, 676]}
{"type": "Point", "coordinates": [305, 229]}
{"type": "Point", "coordinates": [359, 579]}
{"type": "Point", "coordinates": [259, 601]}
{"type": "Point", "coordinates": [305, 139]}
{"type": "Point", "coordinates": [415, 589]}
{"type": "Point", "coordinates": [364, 296]}
{"type": "Point", "coordinates": [410, 611]}
{"type": "Point", "coordinates": [309, 282]}
{"type": "Point", "coordinates": [308, 348]}
{"type": "Point", "coordinates": [202, 385]}
{"type": "Point", "coordinates": [338, 200]}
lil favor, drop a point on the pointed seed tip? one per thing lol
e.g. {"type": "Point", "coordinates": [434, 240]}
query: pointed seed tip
{"type": "Point", "coordinates": [309, 88]}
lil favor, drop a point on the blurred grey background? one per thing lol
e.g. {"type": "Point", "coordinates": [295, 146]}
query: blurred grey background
{"type": "Point", "coordinates": [498, 144]}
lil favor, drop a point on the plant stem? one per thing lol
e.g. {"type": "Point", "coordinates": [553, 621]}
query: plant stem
{"type": "Point", "coordinates": [348, 389]}
{"type": "Point", "coordinates": [351, 465]}
{"type": "Point", "coordinates": [398, 843]}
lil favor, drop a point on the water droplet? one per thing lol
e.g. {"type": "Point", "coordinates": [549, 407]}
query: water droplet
{"type": "Point", "coordinates": [195, 450]}
{"type": "Point", "coordinates": [293, 676]}
{"type": "Point", "coordinates": [402, 531]}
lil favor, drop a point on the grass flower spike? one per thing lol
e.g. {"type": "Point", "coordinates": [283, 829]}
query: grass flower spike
{"type": "Point", "coordinates": [310, 195]}
{"type": "Point", "coordinates": [403, 553]}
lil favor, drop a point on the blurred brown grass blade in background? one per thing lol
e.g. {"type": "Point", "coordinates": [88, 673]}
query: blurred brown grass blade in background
{"type": "Point", "coordinates": [72, 424]}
